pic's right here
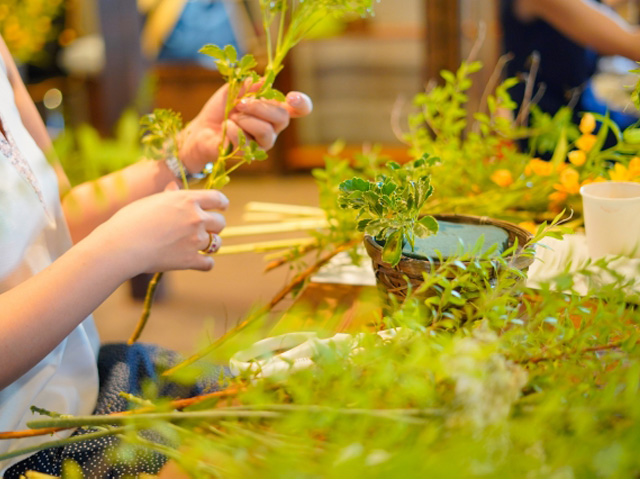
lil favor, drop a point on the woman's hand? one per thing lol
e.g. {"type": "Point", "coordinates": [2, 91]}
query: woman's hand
{"type": "Point", "coordinates": [165, 231]}
{"type": "Point", "coordinates": [261, 120]}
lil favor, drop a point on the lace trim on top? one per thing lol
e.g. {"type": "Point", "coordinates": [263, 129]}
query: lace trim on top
{"type": "Point", "coordinates": [9, 149]}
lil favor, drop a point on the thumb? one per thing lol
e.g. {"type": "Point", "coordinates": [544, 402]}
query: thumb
{"type": "Point", "coordinates": [171, 186]}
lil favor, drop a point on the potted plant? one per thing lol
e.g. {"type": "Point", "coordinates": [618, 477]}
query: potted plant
{"type": "Point", "coordinates": [396, 232]}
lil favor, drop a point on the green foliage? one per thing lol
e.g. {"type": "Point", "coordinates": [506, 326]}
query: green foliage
{"type": "Point", "coordinates": [159, 132]}
{"type": "Point", "coordinates": [636, 93]}
{"type": "Point", "coordinates": [85, 155]}
{"type": "Point", "coordinates": [552, 128]}
{"type": "Point", "coordinates": [523, 383]}
{"type": "Point", "coordinates": [389, 207]}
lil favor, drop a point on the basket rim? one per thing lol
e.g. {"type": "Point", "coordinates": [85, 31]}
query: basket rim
{"type": "Point", "coordinates": [515, 231]}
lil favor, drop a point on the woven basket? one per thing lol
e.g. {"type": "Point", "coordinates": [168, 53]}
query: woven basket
{"type": "Point", "coordinates": [409, 271]}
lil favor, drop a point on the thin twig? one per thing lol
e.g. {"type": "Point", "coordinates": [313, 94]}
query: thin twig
{"type": "Point", "coordinates": [300, 250]}
{"type": "Point", "coordinates": [173, 405]}
{"type": "Point", "coordinates": [396, 114]}
{"type": "Point", "coordinates": [493, 81]}
{"type": "Point", "coordinates": [106, 420]}
{"type": "Point", "coordinates": [477, 44]}
{"type": "Point", "coordinates": [523, 114]}
{"type": "Point", "coordinates": [64, 441]}
{"type": "Point", "coordinates": [560, 356]}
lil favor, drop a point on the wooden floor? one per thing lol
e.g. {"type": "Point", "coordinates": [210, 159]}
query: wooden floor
{"type": "Point", "coordinates": [200, 305]}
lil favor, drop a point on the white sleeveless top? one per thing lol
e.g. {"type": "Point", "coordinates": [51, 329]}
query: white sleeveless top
{"type": "Point", "coordinates": [33, 233]}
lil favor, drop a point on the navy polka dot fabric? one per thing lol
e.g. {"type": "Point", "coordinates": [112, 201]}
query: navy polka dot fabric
{"type": "Point", "coordinates": [122, 368]}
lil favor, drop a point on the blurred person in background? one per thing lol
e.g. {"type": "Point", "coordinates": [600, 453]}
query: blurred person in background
{"type": "Point", "coordinates": [175, 30]}
{"type": "Point", "coordinates": [567, 37]}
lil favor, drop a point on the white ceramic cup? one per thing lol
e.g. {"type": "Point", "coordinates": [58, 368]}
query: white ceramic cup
{"type": "Point", "coordinates": [612, 218]}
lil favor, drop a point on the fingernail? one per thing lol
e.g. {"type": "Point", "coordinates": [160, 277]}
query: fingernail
{"type": "Point", "coordinates": [243, 104]}
{"type": "Point", "coordinates": [224, 198]}
{"type": "Point", "coordinates": [295, 99]}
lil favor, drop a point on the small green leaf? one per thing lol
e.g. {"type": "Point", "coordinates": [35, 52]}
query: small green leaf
{"type": "Point", "coordinates": [392, 251]}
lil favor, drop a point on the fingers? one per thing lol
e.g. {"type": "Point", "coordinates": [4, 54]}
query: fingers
{"type": "Point", "coordinates": [270, 112]}
{"type": "Point", "coordinates": [263, 132]}
{"type": "Point", "coordinates": [203, 263]}
{"type": "Point", "coordinates": [209, 199]}
{"type": "Point", "coordinates": [213, 222]}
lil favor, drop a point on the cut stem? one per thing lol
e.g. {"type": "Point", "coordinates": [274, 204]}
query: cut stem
{"type": "Point", "coordinates": [146, 311]}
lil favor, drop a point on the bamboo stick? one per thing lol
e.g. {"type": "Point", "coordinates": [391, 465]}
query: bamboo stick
{"type": "Point", "coordinates": [284, 208]}
{"type": "Point", "coordinates": [264, 246]}
{"type": "Point", "coordinates": [291, 226]}
{"type": "Point", "coordinates": [260, 217]}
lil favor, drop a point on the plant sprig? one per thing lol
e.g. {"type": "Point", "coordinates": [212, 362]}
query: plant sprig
{"type": "Point", "coordinates": [389, 208]}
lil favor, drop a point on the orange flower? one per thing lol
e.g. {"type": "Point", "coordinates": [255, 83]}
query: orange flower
{"type": "Point", "coordinates": [538, 167]}
{"type": "Point", "coordinates": [502, 177]}
{"type": "Point", "coordinates": [587, 123]}
{"type": "Point", "coordinates": [556, 199]}
{"type": "Point", "coordinates": [569, 181]}
{"type": "Point", "coordinates": [586, 142]}
{"type": "Point", "coordinates": [577, 157]}
{"type": "Point", "coordinates": [587, 181]}
{"type": "Point", "coordinates": [529, 226]}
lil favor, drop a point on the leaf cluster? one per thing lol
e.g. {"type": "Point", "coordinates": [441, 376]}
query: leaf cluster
{"type": "Point", "coordinates": [389, 207]}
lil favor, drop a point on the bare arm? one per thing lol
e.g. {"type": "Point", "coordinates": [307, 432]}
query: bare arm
{"type": "Point", "coordinates": [136, 239]}
{"type": "Point", "coordinates": [588, 23]}
{"type": "Point", "coordinates": [40, 312]}
{"type": "Point", "coordinates": [90, 204]}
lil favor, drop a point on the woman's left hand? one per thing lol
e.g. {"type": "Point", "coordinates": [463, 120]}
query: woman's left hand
{"type": "Point", "coordinates": [261, 120]}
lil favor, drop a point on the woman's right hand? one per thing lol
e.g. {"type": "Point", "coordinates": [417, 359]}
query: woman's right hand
{"type": "Point", "coordinates": [164, 231]}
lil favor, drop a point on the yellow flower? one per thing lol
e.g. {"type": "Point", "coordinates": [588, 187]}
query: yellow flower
{"type": "Point", "coordinates": [502, 177]}
{"type": "Point", "coordinates": [538, 167]}
{"type": "Point", "coordinates": [577, 157]}
{"type": "Point", "coordinates": [586, 142]}
{"type": "Point", "coordinates": [634, 167]}
{"type": "Point", "coordinates": [587, 123]}
{"type": "Point", "coordinates": [619, 173]}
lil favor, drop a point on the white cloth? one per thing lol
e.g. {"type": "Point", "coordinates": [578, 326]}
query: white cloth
{"type": "Point", "coordinates": [33, 233]}
{"type": "Point", "coordinates": [291, 352]}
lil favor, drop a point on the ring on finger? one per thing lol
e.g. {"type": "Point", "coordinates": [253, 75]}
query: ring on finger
{"type": "Point", "coordinates": [214, 244]}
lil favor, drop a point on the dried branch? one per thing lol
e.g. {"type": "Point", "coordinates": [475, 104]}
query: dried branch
{"type": "Point", "coordinates": [287, 257]}
{"type": "Point", "coordinates": [523, 114]}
